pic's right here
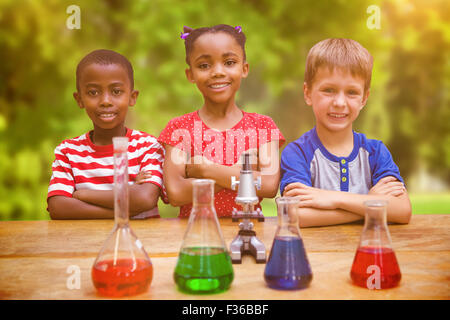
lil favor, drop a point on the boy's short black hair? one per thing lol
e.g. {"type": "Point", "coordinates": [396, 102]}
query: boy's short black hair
{"type": "Point", "coordinates": [238, 35]}
{"type": "Point", "coordinates": [105, 57]}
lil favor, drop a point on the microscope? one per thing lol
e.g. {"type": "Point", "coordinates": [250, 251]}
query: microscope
{"type": "Point", "coordinates": [246, 241]}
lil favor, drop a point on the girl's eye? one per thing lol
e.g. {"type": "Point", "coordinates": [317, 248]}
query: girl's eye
{"type": "Point", "coordinates": [116, 91]}
{"type": "Point", "coordinates": [203, 66]}
{"type": "Point", "coordinates": [93, 93]}
{"type": "Point", "coordinates": [230, 62]}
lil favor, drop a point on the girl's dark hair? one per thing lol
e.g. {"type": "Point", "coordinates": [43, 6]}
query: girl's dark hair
{"type": "Point", "coordinates": [190, 35]}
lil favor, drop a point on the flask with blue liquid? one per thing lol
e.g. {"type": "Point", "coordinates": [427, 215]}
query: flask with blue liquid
{"type": "Point", "coordinates": [288, 267]}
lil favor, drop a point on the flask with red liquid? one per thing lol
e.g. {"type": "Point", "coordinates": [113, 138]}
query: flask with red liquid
{"type": "Point", "coordinates": [288, 267]}
{"type": "Point", "coordinates": [375, 265]}
{"type": "Point", "coordinates": [122, 267]}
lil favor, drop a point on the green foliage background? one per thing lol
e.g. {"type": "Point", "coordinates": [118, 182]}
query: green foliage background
{"type": "Point", "coordinates": [408, 108]}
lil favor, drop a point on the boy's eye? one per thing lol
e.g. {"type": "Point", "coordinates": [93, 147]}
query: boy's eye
{"type": "Point", "coordinates": [328, 90]}
{"type": "Point", "coordinates": [93, 93]}
{"type": "Point", "coordinates": [353, 92]}
{"type": "Point", "coordinates": [116, 91]}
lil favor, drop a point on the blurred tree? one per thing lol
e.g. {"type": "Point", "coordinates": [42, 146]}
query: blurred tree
{"type": "Point", "coordinates": [39, 55]}
{"type": "Point", "coordinates": [418, 87]}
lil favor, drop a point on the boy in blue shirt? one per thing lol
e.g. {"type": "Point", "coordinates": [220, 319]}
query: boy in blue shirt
{"type": "Point", "coordinates": [331, 168]}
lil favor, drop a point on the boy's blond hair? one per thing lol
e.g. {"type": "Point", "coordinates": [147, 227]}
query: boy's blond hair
{"type": "Point", "coordinates": [339, 53]}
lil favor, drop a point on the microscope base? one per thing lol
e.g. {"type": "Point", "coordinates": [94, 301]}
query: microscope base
{"type": "Point", "coordinates": [246, 242]}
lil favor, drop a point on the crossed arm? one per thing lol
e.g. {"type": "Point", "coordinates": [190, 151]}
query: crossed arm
{"type": "Point", "coordinates": [323, 207]}
{"type": "Point", "coordinates": [180, 171]}
{"type": "Point", "coordinates": [99, 204]}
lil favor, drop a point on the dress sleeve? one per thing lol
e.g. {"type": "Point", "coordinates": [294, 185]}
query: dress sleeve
{"type": "Point", "coordinates": [176, 136]}
{"type": "Point", "coordinates": [382, 165]}
{"type": "Point", "coordinates": [272, 133]}
{"type": "Point", "coordinates": [62, 181]}
{"type": "Point", "coordinates": [294, 167]}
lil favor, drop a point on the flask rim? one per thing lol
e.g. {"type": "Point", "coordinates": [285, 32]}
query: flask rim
{"type": "Point", "coordinates": [120, 144]}
{"type": "Point", "coordinates": [287, 200]}
{"type": "Point", "coordinates": [375, 203]}
{"type": "Point", "coordinates": [200, 182]}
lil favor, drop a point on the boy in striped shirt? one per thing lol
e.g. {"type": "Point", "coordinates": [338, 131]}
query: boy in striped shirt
{"type": "Point", "coordinates": [81, 186]}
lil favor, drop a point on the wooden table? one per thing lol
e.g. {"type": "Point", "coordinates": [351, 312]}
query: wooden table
{"type": "Point", "coordinates": [35, 257]}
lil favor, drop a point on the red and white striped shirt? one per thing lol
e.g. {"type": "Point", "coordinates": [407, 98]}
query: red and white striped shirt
{"type": "Point", "coordinates": [80, 164]}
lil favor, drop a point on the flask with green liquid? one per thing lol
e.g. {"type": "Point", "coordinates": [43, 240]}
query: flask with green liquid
{"type": "Point", "coordinates": [204, 264]}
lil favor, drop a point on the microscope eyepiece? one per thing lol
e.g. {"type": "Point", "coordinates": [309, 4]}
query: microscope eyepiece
{"type": "Point", "coordinates": [246, 164]}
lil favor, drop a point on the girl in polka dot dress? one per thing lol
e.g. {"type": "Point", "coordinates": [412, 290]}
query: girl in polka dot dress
{"type": "Point", "coordinates": [208, 143]}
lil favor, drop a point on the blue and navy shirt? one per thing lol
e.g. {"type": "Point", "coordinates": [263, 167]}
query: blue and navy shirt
{"type": "Point", "coordinates": [307, 161]}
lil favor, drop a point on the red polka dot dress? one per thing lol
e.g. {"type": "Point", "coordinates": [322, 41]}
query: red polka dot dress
{"type": "Point", "coordinates": [190, 134]}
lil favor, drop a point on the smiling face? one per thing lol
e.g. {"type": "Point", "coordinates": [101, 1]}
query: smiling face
{"type": "Point", "coordinates": [105, 93]}
{"type": "Point", "coordinates": [217, 66]}
{"type": "Point", "coordinates": [336, 97]}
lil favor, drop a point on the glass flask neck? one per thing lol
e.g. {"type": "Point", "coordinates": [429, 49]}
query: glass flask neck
{"type": "Point", "coordinates": [203, 193]}
{"type": "Point", "coordinates": [287, 208]}
{"type": "Point", "coordinates": [120, 181]}
{"type": "Point", "coordinates": [375, 214]}
{"type": "Point", "coordinates": [203, 230]}
{"type": "Point", "coordinates": [375, 232]}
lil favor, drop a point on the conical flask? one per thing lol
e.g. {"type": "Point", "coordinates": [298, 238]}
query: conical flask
{"type": "Point", "coordinates": [122, 267]}
{"type": "Point", "coordinates": [204, 264]}
{"type": "Point", "coordinates": [288, 266]}
{"type": "Point", "coordinates": [375, 265]}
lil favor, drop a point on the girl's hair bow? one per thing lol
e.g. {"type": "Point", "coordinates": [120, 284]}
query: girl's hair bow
{"type": "Point", "coordinates": [185, 33]}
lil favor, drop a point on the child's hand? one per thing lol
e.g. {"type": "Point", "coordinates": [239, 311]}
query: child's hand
{"type": "Point", "coordinates": [76, 194]}
{"type": "Point", "coordinates": [80, 194]}
{"type": "Point", "coordinates": [142, 176]}
{"type": "Point", "coordinates": [195, 167]}
{"type": "Point", "coordinates": [388, 186]}
{"type": "Point", "coordinates": [311, 197]}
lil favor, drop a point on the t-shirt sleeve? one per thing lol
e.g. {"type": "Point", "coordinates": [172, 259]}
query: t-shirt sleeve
{"type": "Point", "coordinates": [153, 161]}
{"type": "Point", "coordinates": [382, 165]}
{"type": "Point", "coordinates": [294, 166]}
{"type": "Point", "coordinates": [62, 180]}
